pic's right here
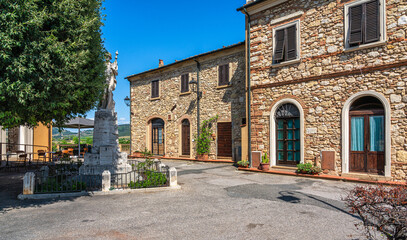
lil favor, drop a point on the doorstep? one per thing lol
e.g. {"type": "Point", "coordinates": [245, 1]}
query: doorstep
{"type": "Point", "coordinates": [196, 160]}
{"type": "Point", "coordinates": [322, 176]}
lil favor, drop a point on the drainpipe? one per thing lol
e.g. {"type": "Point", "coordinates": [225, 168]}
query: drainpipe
{"type": "Point", "coordinates": [249, 122]}
{"type": "Point", "coordinates": [198, 93]}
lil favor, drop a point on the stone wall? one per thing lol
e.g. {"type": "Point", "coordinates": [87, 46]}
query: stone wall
{"type": "Point", "coordinates": [172, 106]}
{"type": "Point", "coordinates": [327, 75]}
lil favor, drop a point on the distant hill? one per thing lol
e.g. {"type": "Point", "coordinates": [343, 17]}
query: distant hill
{"type": "Point", "coordinates": [124, 130]}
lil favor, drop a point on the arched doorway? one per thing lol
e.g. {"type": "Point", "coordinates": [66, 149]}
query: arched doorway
{"type": "Point", "coordinates": [157, 139]}
{"type": "Point", "coordinates": [367, 136]}
{"type": "Point", "coordinates": [186, 137]}
{"type": "Point", "coordinates": [288, 134]}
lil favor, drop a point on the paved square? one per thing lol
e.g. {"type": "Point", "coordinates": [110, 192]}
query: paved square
{"type": "Point", "coordinates": [215, 202]}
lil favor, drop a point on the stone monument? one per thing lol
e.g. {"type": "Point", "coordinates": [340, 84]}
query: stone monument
{"type": "Point", "coordinates": [105, 154]}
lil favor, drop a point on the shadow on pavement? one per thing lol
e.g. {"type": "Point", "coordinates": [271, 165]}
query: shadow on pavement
{"type": "Point", "coordinates": [197, 171]}
{"type": "Point", "coordinates": [11, 184]}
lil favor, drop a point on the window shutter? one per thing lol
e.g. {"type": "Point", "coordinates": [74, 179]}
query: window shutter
{"type": "Point", "coordinates": [280, 42]}
{"type": "Point", "coordinates": [226, 74]}
{"type": "Point", "coordinates": [292, 42]}
{"type": "Point", "coordinates": [372, 23]}
{"type": "Point", "coordinates": [355, 24]}
{"type": "Point", "coordinates": [154, 89]}
{"type": "Point", "coordinates": [184, 83]}
{"type": "Point", "coordinates": [221, 75]}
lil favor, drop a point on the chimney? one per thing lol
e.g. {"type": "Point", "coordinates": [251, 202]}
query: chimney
{"type": "Point", "coordinates": [160, 63]}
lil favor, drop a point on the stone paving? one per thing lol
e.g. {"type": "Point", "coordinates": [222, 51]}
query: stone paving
{"type": "Point", "coordinates": [215, 202]}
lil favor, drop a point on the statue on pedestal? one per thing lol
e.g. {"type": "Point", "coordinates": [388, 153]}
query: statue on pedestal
{"type": "Point", "coordinates": [105, 154]}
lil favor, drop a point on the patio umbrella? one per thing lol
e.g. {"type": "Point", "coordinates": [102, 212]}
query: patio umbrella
{"type": "Point", "coordinates": [79, 123]}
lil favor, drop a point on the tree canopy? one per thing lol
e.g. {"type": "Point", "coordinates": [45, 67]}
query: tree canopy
{"type": "Point", "coordinates": [52, 60]}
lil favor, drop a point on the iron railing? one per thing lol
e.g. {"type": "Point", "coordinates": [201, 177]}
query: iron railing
{"type": "Point", "coordinates": [65, 183]}
{"type": "Point", "coordinates": [139, 179]}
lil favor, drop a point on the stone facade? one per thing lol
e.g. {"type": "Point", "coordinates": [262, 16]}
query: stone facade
{"type": "Point", "coordinates": [327, 75]}
{"type": "Point", "coordinates": [173, 107]}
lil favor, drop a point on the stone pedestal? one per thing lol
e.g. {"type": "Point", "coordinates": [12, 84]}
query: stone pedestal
{"type": "Point", "coordinates": [105, 154]}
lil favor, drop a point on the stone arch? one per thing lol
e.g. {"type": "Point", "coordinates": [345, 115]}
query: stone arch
{"type": "Point", "coordinates": [149, 132]}
{"type": "Point", "coordinates": [273, 137]}
{"type": "Point", "coordinates": [345, 129]}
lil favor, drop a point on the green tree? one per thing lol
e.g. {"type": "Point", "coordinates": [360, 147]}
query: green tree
{"type": "Point", "coordinates": [52, 60]}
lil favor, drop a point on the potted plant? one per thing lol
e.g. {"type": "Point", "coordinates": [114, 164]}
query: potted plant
{"type": "Point", "coordinates": [315, 170]}
{"type": "Point", "coordinates": [137, 154]}
{"type": "Point", "coordinates": [203, 141]}
{"type": "Point", "coordinates": [265, 162]}
{"type": "Point", "coordinates": [308, 168]}
{"type": "Point", "coordinates": [243, 163]}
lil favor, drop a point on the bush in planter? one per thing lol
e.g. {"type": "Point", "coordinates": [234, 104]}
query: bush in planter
{"type": "Point", "coordinates": [265, 159]}
{"type": "Point", "coordinates": [243, 163]}
{"type": "Point", "coordinates": [203, 141]}
{"type": "Point", "coordinates": [308, 168]}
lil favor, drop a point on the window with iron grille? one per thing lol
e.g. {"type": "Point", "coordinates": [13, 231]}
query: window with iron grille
{"type": "Point", "coordinates": [185, 83]}
{"type": "Point", "coordinates": [155, 89]}
{"type": "Point", "coordinates": [286, 41]}
{"type": "Point", "coordinates": [223, 75]}
{"type": "Point", "coordinates": [364, 20]}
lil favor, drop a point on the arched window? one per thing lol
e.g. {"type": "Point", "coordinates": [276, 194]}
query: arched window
{"type": "Point", "coordinates": [367, 135]}
{"type": "Point", "coordinates": [288, 133]}
{"type": "Point", "coordinates": [186, 137]}
{"type": "Point", "coordinates": [157, 127]}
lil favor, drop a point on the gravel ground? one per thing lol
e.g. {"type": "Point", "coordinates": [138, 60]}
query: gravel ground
{"type": "Point", "coordinates": [215, 202]}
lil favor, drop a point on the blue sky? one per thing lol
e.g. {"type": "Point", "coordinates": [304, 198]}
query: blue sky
{"type": "Point", "coordinates": [145, 31]}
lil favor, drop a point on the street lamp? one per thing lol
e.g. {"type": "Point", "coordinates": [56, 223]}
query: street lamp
{"type": "Point", "coordinates": [127, 101]}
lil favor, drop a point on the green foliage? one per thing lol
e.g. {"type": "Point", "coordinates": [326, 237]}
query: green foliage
{"type": "Point", "coordinates": [61, 184]}
{"type": "Point", "coordinates": [75, 140]}
{"type": "Point", "coordinates": [265, 159]}
{"type": "Point", "coordinates": [151, 179]}
{"type": "Point", "coordinates": [87, 140]}
{"type": "Point", "coordinates": [308, 168]}
{"type": "Point", "coordinates": [124, 140]}
{"type": "Point", "coordinates": [52, 60]}
{"type": "Point", "coordinates": [203, 141]}
{"type": "Point", "coordinates": [63, 141]}
{"type": "Point", "coordinates": [243, 163]}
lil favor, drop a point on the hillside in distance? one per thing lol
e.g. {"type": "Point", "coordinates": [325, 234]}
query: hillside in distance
{"type": "Point", "coordinates": [124, 130]}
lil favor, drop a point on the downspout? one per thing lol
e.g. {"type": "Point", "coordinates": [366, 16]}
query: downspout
{"type": "Point", "coordinates": [249, 122]}
{"type": "Point", "coordinates": [198, 66]}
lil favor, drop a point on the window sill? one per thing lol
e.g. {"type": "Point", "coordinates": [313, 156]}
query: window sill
{"type": "Point", "coordinates": [364, 46]}
{"type": "Point", "coordinates": [154, 99]}
{"type": "Point", "coordinates": [185, 93]}
{"type": "Point", "coordinates": [224, 86]}
{"type": "Point", "coordinates": [286, 63]}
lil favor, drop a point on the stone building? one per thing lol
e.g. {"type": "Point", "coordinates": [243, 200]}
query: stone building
{"type": "Point", "coordinates": [164, 104]}
{"type": "Point", "coordinates": [328, 84]}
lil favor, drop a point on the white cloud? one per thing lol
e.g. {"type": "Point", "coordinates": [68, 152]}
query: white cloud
{"type": "Point", "coordinates": [122, 119]}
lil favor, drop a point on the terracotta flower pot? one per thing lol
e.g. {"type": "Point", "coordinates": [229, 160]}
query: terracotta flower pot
{"type": "Point", "coordinates": [138, 154]}
{"type": "Point", "coordinates": [202, 157]}
{"type": "Point", "coordinates": [265, 166]}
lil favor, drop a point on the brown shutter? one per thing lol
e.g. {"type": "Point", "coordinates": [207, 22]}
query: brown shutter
{"type": "Point", "coordinates": [154, 89]}
{"type": "Point", "coordinates": [221, 75]}
{"type": "Point", "coordinates": [185, 83]}
{"type": "Point", "coordinates": [280, 42]}
{"type": "Point", "coordinates": [226, 73]}
{"type": "Point", "coordinates": [372, 22]}
{"type": "Point", "coordinates": [182, 83]}
{"type": "Point", "coordinates": [292, 42]}
{"type": "Point", "coordinates": [355, 24]}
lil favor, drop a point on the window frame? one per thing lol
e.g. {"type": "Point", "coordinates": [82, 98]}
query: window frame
{"type": "Point", "coordinates": [187, 89]}
{"type": "Point", "coordinates": [382, 27]}
{"type": "Point", "coordinates": [158, 92]}
{"type": "Point", "coordinates": [297, 24]}
{"type": "Point", "coordinates": [229, 75]}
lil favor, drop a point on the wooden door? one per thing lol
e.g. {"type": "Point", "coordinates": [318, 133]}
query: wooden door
{"type": "Point", "coordinates": [288, 141]}
{"type": "Point", "coordinates": [186, 144]}
{"type": "Point", "coordinates": [366, 135]}
{"type": "Point", "coordinates": [225, 139]}
{"type": "Point", "coordinates": [157, 137]}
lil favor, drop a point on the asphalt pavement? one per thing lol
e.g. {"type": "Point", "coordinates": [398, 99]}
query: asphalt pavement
{"type": "Point", "coordinates": [215, 202]}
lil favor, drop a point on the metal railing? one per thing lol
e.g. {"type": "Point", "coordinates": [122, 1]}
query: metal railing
{"type": "Point", "coordinates": [65, 183]}
{"type": "Point", "coordinates": [139, 179]}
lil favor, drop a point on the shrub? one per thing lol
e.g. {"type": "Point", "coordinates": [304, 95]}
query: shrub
{"type": "Point", "coordinates": [243, 163]}
{"type": "Point", "coordinates": [382, 209]}
{"type": "Point", "coordinates": [203, 141]}
{"type": "Point", "coordinates": [151, 179]}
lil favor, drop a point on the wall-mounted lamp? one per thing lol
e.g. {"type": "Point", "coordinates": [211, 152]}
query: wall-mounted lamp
{"type": "Point", "coordinates": [127, 101]}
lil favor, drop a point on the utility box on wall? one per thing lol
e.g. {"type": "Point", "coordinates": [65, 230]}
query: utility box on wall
{"type": "Point", "coordinates": [328, 160]}
{"type": "Point", "coordinates": [256, 157]}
